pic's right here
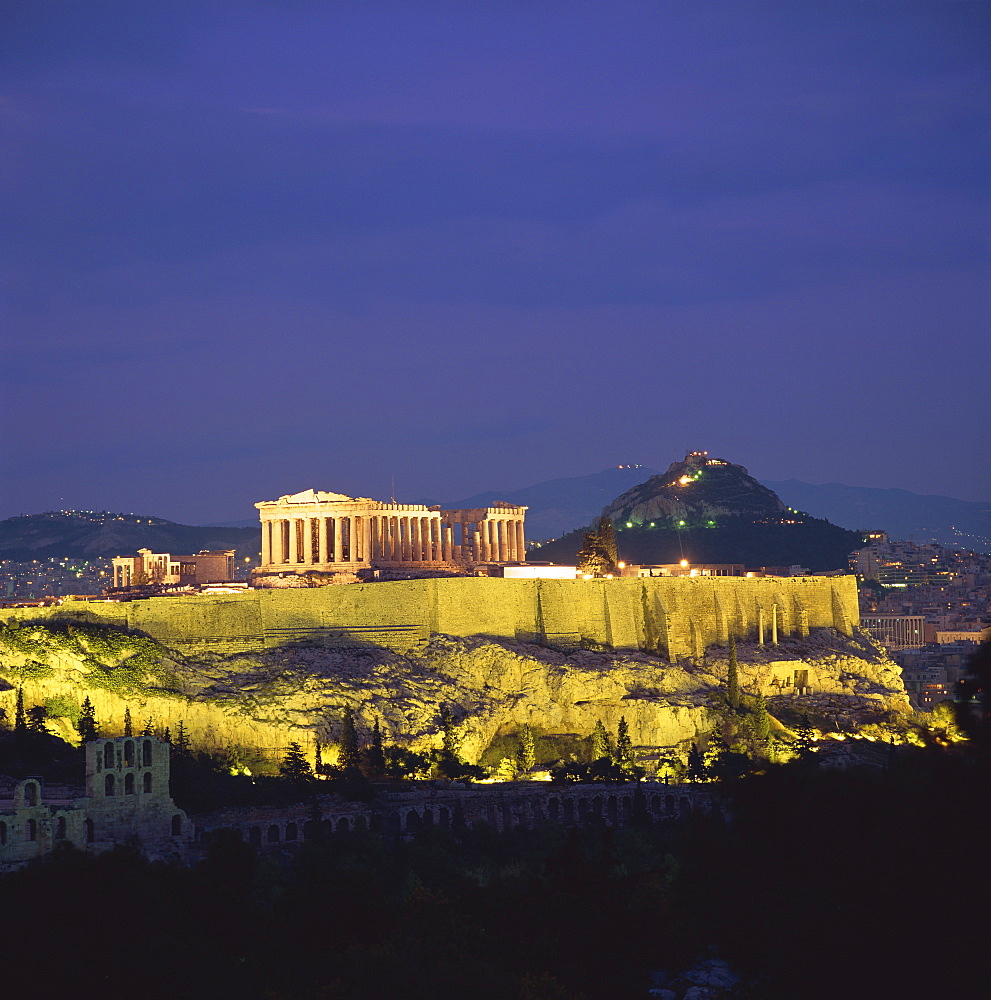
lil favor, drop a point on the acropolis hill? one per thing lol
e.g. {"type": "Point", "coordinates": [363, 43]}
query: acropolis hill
{"type": "Point", "coordinates": [263, 667]}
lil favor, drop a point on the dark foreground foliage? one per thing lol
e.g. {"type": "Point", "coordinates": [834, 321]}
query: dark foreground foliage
{"type": "Point", "coordinates": [861, 883]}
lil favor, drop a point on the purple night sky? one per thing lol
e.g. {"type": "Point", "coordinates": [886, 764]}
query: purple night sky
{"type": "Point", "coordinates": [252, 248]}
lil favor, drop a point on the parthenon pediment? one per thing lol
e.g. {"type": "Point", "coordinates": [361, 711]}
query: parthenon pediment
{"type": "Point", "coordinates": [315, 496]}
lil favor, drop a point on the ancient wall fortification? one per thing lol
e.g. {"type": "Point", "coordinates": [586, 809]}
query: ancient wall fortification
{"type": "Point", "coordinates": [668, 616]}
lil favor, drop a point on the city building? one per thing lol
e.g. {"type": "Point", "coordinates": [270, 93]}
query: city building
{"type": "Point", "coordinates": [895, 631]}
{"type": "Point", "coordinates": [330, 537]}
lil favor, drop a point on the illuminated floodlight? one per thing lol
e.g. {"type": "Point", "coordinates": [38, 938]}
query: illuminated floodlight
{"type": "Point", "coordinates": [684, 563]}
{"type": "Point", "coordinates": [621, 565]}
{"type": "Point", "coordinates": [681, 524]}
{"type": "Point", "coordinates": [684, 481]}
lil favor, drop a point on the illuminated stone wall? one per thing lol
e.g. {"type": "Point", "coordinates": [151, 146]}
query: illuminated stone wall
{"type": "Point", "coordinates": [670, 616]}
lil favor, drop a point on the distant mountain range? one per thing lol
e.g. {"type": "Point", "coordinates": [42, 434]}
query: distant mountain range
{"type": "Point", "coordinates": [87, 535]}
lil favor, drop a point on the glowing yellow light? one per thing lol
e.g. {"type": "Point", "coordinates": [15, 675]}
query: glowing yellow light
{"type": "Point", "coordinates": [684, 481]}
{"type": "Point", "coordinates": [621, 565]}
{"type": "Point", "coordinates": [684, 562]}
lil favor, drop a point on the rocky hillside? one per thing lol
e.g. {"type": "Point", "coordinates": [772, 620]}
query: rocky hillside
{"type": "Point", "coordinates": [296, 692]}
{"type": "Point", "coordinates": [92, 535]}
{"type": "Point", "coordinates": [697, 491]}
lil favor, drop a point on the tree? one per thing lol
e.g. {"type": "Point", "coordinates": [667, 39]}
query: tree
{"type": "Point", "coordinates": [37, 715]}
{"type": "Point", "coordinates": [598, 553]}
{"type": "Point", "coordinates": [624, 745]}
{"type": "Point", "coordinates": [375, 754]}
{"type": "Point", "coordinates": [20, 721]}
{"type": "Point", "coordinates": [127, 722]}
{"type": "Point", "coordinates": [452, 744]}
{"type": "Point", "coordinates": [600, 743]}
{"type": "Point", "coordinates": [805, 738]}
{"type": "Point", "coordinates": [167, 735]}
{"type": "Point", "coordinates": [696, 765]}
{"type": "Point", "coordinates": [181, 744]}
{"type": "Point", "coordinates": [86, 726]}
{"type": "Point", "coordinates": [761, 721]}
{"type": "Point", "coordinates": [295, 766]}
{"type": "Point", "coordinates": [526, 751]}
{"type": "Point", "coordinates": [732, 677]}
{"type": "Point", "coordinates": [348, 756]}
{"type": "Point", "coordinates": [149, 727]}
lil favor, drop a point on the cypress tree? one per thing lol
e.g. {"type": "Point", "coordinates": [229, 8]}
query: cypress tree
{"type": "Point", "coordinates": [127, 721]}
{"type": "Point", "coordinates": [295, 766]}
{"type": "Point", "coordinates": [376, 752]}
{"type": "Point", "coordinates": [624, 745]}
{"type": "Point", "coordinates": [348, 757]}
{"type": "Point", "coordinates": [600, 743]}
{"type": "Point", "coordinates": [167, 734]}
{"type": "Point", "coordinates": [86, 726]}
{"type": "Point", "coordinates": [451, 742]}
{"type": "Point", "coordinates": [318, 759]}
{"type": "Point", "coordinates": [20, 721]}
{"type": "Point", "coordinates": [149, 729]}
{"type": "Point", "coordinates": [696, 765]}
{"type": "Point", "coordinates": [181, 739]}
{"type": "Point", "coordinates": [526, 751]}
{"type": "Point", "coordinates": [732, 677]}
{"type": "Point", "coordinates": [761, 722]}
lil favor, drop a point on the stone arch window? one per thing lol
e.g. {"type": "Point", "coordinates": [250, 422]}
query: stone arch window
{"type": "Point", "coordinates": [129, 753]}
{"type": "Point", "coordinates": [128, 784]}
{"type": "Point", "coordinates": [108, 756]}
{"type": "Point", "coordinates": [146, 753]}
{"type": "Point", "coordinates": [108, 785]}
{"type": "Point", "coordinates": [176, 825]}
{"type": "Point", "coordinates": [255, 835]}
{"type": "Point", "coordinates": [311, 829]}
{"type": "Point", "coordinates": [30, 794]}
{"type": "Point", "coordinates": [669, 803]}
{"type": "Point", "coordinates": [292, 831]}
{"type": "Point", "coordinates": [60, 828]}
{"type": "Point", "coordinates": [3, 834]}
{"type": "Point", "coordinates": [31, 830]}
{"type": "Point", "coordinates": [90, 832]}
{"type": "Point", "coordinates": [273, 834]}
{"type": "Point", "coordinates": [146, 781]}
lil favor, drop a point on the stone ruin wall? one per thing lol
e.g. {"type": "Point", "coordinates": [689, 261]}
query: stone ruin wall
{"type": "Point", "coordinates": [672, 617]}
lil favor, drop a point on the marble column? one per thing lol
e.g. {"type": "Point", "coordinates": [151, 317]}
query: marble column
{"type": "Point", "coordinates": [416, 552]}
{"type": "Point", "coordinates": [446, 541]}
{"type": "Point", "coordinates": [366, 539]}
{"type": "Point", "coordinates": [307, 523]}
{"type": "Point", "coordinates": [520, 543]}
{"type": "Point", "coordinates": [774, 624]}
{"type": "Point", "coordinates": [266, 542]}
{"type": "Point", "coordinates": [503, 529]}
{"type": "Point", "coordinates": [337, 539]}
{"type": "Point", "coordinates": [322, 541]}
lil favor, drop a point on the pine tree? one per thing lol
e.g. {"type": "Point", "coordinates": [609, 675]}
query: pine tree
{"type": "Point", "coordinates": [149, 728]}
{"type": "Point", "coordinates": [318, 758]}
{"type": "Point", "coordinates": [624, 745]}
{"type": "Point", "coordinates": [607, 541]}
{"type": "Point", "coordinates": [733, 677]}
{"type": "Point", "coordinates": [761, 722]}
{"type": "Point", "coordinates": [181, 745]}
{"type": "Point", "coordinates": [37, 715]}
{"type": "Point", "coordinates": [127, 722]}
{"type": "Point", "coordinates": [86, 726]}
{"type": "Point", "coordinates": [20, 720]}
{"type": "Point", "coordinates": [167, 735]}
{"type": "Point", "coordinates": [600, 743]}
{"type": "Point", "coordinates": [348, 757]}
{"type": "Point", "coordinates": [295, 766]}
{"type": "Point", "coordinates": [526, 750]}
{"type": "Point", "coordinates": [696, 765]}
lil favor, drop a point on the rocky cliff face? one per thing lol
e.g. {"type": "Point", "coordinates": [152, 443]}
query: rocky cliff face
{"type": "Point", "coordinates": [296, 692]}
{"type": "Point", "coordinates": [696, 491]}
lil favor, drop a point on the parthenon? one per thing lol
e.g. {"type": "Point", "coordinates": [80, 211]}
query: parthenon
{"type": "Point", "coordinates": [329, 533]}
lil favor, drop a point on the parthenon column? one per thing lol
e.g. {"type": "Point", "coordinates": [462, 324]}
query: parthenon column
{"type": "Point", "coordinates": [520, 543]}
{"type": "Point", "coordinates": [446, 541]}
{"type": "Point", "coordinates": [337, 539]}
{"type": "Point", "coordinates": [366, 539]}
{"type": "Point", "coordinates": [322, 541]}
{"type": "Point", "coordinates": [308, 541]}
{"type": "Point", "coordinates": [266, 542]}
{"type": "Point", "coordinates": [503, 541]}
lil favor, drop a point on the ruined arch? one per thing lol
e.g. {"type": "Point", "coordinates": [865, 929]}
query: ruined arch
{"type": "Point", "coordinates": [273, 834]}
{"type": "Point", "coordinates": [129, 753]}
{"type": "Point", "coordinates": [129, 784]}
{"type": "Point", "coordinates": [146, 781]}
{"type": "Point", "coordinates": [109, 786]}
{"type": "Point", "coordinates": [146, 753]}
{"type": "Point", "coordinates": [108, 756]}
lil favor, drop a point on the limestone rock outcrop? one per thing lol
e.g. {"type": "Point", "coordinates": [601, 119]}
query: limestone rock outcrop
{"type": "Point", "coordinates": [264, 698]}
